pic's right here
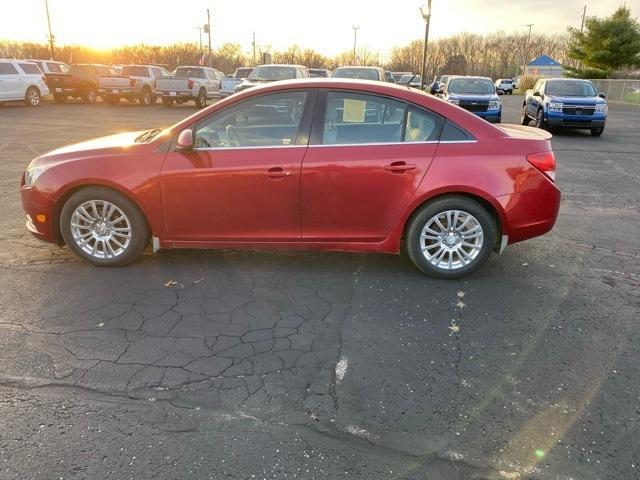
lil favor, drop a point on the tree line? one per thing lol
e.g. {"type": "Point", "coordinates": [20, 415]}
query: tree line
{"type": "Point", "coordinates": [605, 46]}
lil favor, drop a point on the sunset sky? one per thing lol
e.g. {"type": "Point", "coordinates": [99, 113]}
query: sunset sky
{"type": "Point", "coordinates": [324, 25]}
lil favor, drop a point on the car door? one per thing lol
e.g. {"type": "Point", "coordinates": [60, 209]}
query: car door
{"type": "Point", "coordinates": [534, 101]}
{"type": "Point", "coordinates": [366, 158]}
{"type": "Point", "coordinates": [241, 182]}
{"type": "Point", "coordinates": [10, 84]}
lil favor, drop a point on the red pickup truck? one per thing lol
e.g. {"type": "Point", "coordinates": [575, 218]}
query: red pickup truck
{"type": "Point", "coordinates": [81, 82]}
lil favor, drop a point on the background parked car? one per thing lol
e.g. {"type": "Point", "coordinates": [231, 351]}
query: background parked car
{"type": "Point", "coordinates": [22, 81]}
{"type": "Point", "coordinates": [565, 103]}
{"type": "Point", "coordinates": [505, 85]}
{"type": "Point", "coordinates": [388, 76]}
{"type": "Point", "coordinates": [397, 75]}
{"type": "Point", "coordinates": [272, 73]}
{"type": "Point", "coordinates": [80, 82]}
{"type": "Point", "coordinates": [319, 73]}
{"type": "Point", "coordinates": [135, 82]}
{"type": "Point", "coordinates": [475, 94]}
{"type": "Point", "coordinates": [230, 83]}
{"type": "Point", "coordinates": [190, 83]}
{"type": "Point", "coordinates": [362, 73]}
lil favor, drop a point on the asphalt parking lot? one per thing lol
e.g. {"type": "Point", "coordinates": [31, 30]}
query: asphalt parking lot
{"type": "Point", "coordinates": [230, 364]}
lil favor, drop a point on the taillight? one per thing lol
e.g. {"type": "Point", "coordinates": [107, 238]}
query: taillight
{"type": "Point", "coordinates": [190, 84]}
{"type": "Point", "coordinates": [545, 162]}
{"type": "Point", "coordinates": [132, 82]}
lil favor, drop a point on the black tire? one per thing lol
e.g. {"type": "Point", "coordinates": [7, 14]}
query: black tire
{"type": "Point", "coordinates": [90, 95]}
{"type": "Point", "coordinates": [32, 97]}
{"type": "Point", "coordinates": [524, 118]}
{"type": "Point", "coordinates": [596, 132]}
{"type": "Point", "coordinates": [413, 242]}
{"type": "Point", "coordinates": [167, 102]}
{"type": "Point", "coordinates": [145, 96]}
{"type": "Point", "coordinates": [60, 97]}
{"type": "Point", "coordinates": [140, 233]}
{"type": "Point", "coordinates": [154, 99]}
{"type": "Point", "coordinates": [540, 122]}
{"type": "Point", "coordinates": [112, 99]}
{"type": "Point", "coordinates": [201, 99]}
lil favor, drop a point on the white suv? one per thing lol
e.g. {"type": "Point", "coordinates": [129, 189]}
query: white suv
{"type": "Point", "coordinates": [21, 80]}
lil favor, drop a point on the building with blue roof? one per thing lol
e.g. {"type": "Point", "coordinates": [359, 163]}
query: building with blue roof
{"type": "Point", "coordinates": [544, 66]}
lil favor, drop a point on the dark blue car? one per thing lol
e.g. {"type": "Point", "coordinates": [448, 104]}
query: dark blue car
{"type": "Point", "coordinates": [476, 94]}
{"type": "Point", "coordinates": [565, 103]}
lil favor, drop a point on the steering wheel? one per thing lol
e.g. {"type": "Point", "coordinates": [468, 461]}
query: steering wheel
{"type": "Point", "coordinates": [233, 135]}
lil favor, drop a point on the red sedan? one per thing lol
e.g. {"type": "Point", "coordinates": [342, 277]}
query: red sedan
{"type": "Point", "coordinates": [306, 164]}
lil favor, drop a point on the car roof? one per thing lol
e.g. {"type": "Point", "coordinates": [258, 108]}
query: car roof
{"type": "Point", "coordinates": [360, 67]}
{"type": "Point", "coordinates": [281, 65]}
{"type": "Point", "coordinates": [474, 77]}
{"type": "Point", "coordinates": [566, 79]}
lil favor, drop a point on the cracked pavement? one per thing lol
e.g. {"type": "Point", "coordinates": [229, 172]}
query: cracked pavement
{"type": "Point", "coordinates": [230, 364]}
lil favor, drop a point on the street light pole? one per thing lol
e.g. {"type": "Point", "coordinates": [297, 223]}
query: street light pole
{"type": "Point", "coordinates": [526, 47]}
{"type": "Point", "coordinates": [209, 32]}
{"type": "Point", "coordinates": [355, 35]}
{"type": "Point", "coordinates": [200, 32]}
{"type": "Point", "coordinates": [254, 47]}
{"type": "Point", "coordinates": [425, 10]}
{"type": "Point", "coordinates": [53, 53]}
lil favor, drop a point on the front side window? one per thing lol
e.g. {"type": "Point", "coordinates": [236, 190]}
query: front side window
{"type": "Point", "coordinates": [54, 67]}
{"type": "Point", "coordinates": [30, 68]}
{"type": "Point", "coordinates": [361, 118]}
{"type": "Point", "coordinates": [265, 121]}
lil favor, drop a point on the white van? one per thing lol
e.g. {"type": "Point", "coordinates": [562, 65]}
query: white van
{"type": "Point", "coordinates": [21, 80]}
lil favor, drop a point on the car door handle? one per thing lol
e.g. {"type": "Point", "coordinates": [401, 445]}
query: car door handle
{"type": "Point", "coordinates": [277, 173]}
{"type": "Point", "coordinates": [399, 167]}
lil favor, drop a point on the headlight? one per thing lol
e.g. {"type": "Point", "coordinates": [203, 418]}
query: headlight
{"type": "Point", "coordinates": [601, 108]}
{"type": "Point", "coordinates": [494, 104]}
{"type": "Point", "coordinates": [555, 107]}
{"type": "Point", "coordinates": [454, 101]}
{"type": "Point", "coordinates": [31, 174]}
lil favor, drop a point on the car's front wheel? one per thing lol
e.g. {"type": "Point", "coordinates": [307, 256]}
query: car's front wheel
{"type": "Point", "coordinates": [103, 227]}
{"type": "Point", "coordinates": [450, 237]}
{"type": "Point", "coordinates": [596, 132]}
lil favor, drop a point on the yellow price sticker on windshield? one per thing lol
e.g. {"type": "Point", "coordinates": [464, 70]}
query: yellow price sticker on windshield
{"type": "Point", "coordinates": [354, 111]}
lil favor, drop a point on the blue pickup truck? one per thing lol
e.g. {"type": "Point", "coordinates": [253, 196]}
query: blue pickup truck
{"type": "Point", "coordinates": [476, 94]}
{"type": "Point", "coordinates": [565, 103]}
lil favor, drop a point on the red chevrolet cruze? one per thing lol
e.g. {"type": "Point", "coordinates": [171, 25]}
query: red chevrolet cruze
{"type": "Point", "coordinates": [306, 164]}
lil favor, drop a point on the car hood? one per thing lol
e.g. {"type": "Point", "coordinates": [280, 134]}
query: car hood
{"type": "Point", "coordinates": [473, 96]}
{"type": "Point", "coordinates": [118, 143]}
{"type": "Point", "coordinates": [581, 100]}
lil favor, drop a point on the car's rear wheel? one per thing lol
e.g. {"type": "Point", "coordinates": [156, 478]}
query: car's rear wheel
{"type": "Point", "coordinates": [596, 132]}
{"type": "Point", "coordinates": [145, 96]}
{"type": "Point", "coordinates": [450, 237]}
{"type": "Point", "coordinates": [201, 99]}
{"type": "Point", "coordinates": [32, 97]}
{"type": "Point", "coordinates": [103, 227]}
{"type": "Point", "coordinates": [90, 95]}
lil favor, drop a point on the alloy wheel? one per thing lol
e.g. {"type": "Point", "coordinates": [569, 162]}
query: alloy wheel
{"type": "Point", "coordinates": [451, 239]}
{"type": "Point", "coordinates": [33, 97]}
{"type": "Point", "coordinates": [101, 229]}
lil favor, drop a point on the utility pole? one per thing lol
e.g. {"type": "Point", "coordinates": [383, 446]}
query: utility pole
{"type": "Point", "coordinates": [526, 47]}
{"type": "Point", "coordinates": [584, 14]}
{"type": "Point", "coordinates": [425, 10]}
{"type": "Point", "coordinates": [200, 32]}
{"type": "Point", "coordinates": [254, 47]}
{"type": "Point", "coordinates": [209, 32]}
{"type": "Point", "coordinates": [355, 36]}
{"type": "Point", "coordinates": [53, 53]}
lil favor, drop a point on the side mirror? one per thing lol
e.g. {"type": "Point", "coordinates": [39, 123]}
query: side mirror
{"type": "Point", "coordinates": [185, 141]}
{"type": "Point", "coordinates": [602, 95]}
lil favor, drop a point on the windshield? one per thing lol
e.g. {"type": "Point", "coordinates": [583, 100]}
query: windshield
{"type": "Point", "coordinates": [273, 73]}
{"type": "Point", "coordinates": [359, 73]}
{"type": "Point", "coordinates": [318, 73]}
{"type": "Point", "coordinates": [480, 86]}
{"type": "Point", "coordinates": [134, 71]}
{"type": "Point", "coordinates": [243, 72]}
{"type": "Point", "coordinates": [569, 88]}
{"type": "Point", "coordinates": [184, 72]}
{"type": "Point", "coordinates": [409, 78]}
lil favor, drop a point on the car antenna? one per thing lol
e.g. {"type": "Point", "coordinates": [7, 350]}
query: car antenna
{"type": "Point", "coordinates": [411, 80]}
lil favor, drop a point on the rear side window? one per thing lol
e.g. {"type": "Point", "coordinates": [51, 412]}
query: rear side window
{"type": "Point", "coordinates": [453, 133]}
{"type": "Point", "coordinates": [30, 68]}
{"type": "Point", "coordinates": [422, 126]}
{"type": "Point", "coordinates": [7, 69]}
{"type": "Point", "coordinates": [54, 67]}
{"type": "Point", "coordinates": [135, 71]}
